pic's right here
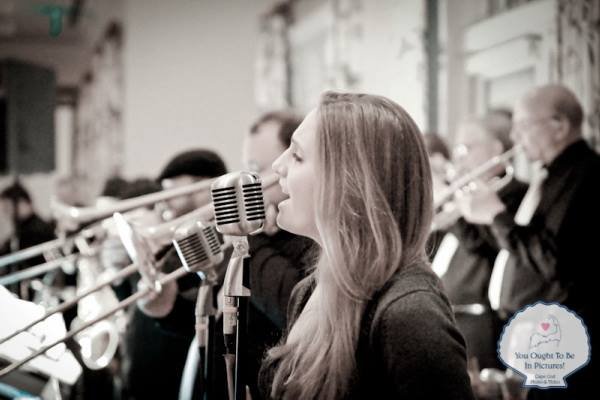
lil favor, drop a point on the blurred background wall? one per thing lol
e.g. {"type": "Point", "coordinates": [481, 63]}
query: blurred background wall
{"type": "Point", "coordinates": [135, 81]}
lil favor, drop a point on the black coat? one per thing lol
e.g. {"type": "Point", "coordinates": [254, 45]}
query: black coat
{"type": "Point", "coordinates": [554, 257]}
{"type": "Point", "coordinates": [468, 277]}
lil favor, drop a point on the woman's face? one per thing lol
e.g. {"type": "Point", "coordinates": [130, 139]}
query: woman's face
{"type": "Point", "coordinates": [297, 169]}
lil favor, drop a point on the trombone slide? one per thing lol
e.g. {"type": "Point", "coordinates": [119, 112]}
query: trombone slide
{"type": "Point", "coordinates": [178, 273]}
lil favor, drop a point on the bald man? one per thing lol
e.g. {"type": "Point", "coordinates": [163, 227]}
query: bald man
{"type": "Point", "coordinates": [553, 248]}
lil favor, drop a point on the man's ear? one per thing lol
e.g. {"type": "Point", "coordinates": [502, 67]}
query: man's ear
{"type": "Point", "coordinates": [498, 147]}
{"type": "Point", "coordinates": [561, 128]}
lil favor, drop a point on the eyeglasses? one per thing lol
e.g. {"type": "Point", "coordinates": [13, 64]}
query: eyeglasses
{"type": "Point", "coordinates": [529, 123]}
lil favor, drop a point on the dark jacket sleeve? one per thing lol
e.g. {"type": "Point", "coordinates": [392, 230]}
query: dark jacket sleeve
{"type": "Point", "coordinates": [471, 237]}
{"type": "Point", "coordinates": [418, 342]}
{"type": "Point", "coordinates": [534, 245]}
{"type": "Point", "coordinates": [181, 320]}
{"type": "Point", "coordinates": [556, 244]}
{"type": "Point", "coordinates": [478, 238]}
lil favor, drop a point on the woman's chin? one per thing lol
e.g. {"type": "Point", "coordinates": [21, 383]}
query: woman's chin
{"type": "Point", "coordinates": [279, 219]}
{"type": "Point", "coordinates": [282, 215]}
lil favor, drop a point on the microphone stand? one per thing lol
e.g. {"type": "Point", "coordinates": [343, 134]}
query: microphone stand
{"type": "Point", "coordinates": [15, 240]}
{"type": "Point", "coordinates": [235, 310]}
{"type": "Point", "coordinates": [205, 326]}
{"type": "Point", "coordinates": [209, 366]}
{"type": "Point", "coordinates": [239, 211]}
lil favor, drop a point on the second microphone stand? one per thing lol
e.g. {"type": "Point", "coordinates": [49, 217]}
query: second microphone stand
{"type": "Point", "coordinates": [236, 291]}
{"type": "Point", "coordinates": [205, 326]}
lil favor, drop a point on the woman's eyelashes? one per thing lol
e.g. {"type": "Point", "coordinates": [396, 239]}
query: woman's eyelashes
{"type": "Point", "coordinates": [296, 157]}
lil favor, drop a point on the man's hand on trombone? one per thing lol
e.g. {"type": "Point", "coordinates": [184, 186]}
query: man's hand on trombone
{"type": "Point", "coordinates": [479, 203]}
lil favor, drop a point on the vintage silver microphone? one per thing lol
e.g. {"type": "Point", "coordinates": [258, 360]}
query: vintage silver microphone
{"type": "Point", "coordinates": [200, 251]}
{"type": "Point", "coordinates": [198, 248]}
{"type": "Point", "coordinates": [239, 211]}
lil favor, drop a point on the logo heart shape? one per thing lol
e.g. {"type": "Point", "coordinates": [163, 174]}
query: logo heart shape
{"type": "Point", "coordinates": [545, 325]}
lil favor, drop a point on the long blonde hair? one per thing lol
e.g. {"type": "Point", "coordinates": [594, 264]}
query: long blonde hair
{"type": "Point", "coordinates": [374, 207]}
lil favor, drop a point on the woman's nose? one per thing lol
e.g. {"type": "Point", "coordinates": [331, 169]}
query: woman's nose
{"type": "Point", "coordinates": [278, 164]}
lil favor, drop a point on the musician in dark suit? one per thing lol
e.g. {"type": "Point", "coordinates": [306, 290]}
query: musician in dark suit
{"type": "Point", "coordinates": [553, 253]}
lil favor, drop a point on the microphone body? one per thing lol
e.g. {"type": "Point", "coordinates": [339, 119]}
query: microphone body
{"type": "Point", "coordinates": [199, 249]}
{"type": "Point", "coordinates": [239, 204]}
{"type": "Point", "coordinates": [239, 211]}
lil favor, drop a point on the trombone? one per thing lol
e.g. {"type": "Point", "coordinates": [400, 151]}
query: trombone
{"type": "Point", "coordinates": [205, 213]}
{"type": "Point", "coordinates": [33, 251]}
{"type": "Point", "coordinates": [71, 218]}
{"type": "Point", "coordinates": [36, 270]}
{"type": "Point", "coordinates": [53, 261]}
{"type": "Point", "coordinates": [147, 268]}
{"type": "Point", "coordinates": [158, 233]}
{"type": "Point", "coordinates": [178, 273]}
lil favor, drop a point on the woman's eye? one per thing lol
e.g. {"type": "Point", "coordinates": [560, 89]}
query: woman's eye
{"type": "Point", "coordinates": [296, 157]}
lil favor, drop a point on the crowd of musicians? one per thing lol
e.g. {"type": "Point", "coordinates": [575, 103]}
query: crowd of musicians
{"type": "Point", "coordinates": [375, 274]}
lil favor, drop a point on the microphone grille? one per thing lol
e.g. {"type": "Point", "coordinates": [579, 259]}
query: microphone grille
{"type": "Point", "coordinates": [198, 249]}
{"type": "Point", "coordinates": [213, 240]}
{"type": "Point", "coordinates": [191, 251]}
{"type": "Point", "coordinates": [253, 201]}
{"type": "Point", "coordinates": [238, 203]}
{"type": "Point", "coordinates": [225, 203]}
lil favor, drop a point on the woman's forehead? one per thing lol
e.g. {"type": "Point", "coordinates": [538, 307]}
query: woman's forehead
{"type": "Point", "coordinates": [305, 134]}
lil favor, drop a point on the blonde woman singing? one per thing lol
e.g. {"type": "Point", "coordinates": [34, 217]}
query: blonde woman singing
{"type": "Point", "coordinates": [371, 321]}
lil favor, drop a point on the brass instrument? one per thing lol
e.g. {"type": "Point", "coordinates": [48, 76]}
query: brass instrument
{"type": "Point", "coordinates": [97, 336]}
{"type": "Point", "coordinates": [36, 270]}
{"type": "Point", "coordinates": [99, 342]}
{"type": "Point", "coordinates": [477, 173]}
{"type": "Point", "coordinates": [72, 218]}
{"type": "Point", "coordinates": [445, 208]}
{"type": "Point", "coordinates": [51, 247]}
{"type": "Point", "coordinates": [178, 273]}
{"type": "Point", "coordinates": [145, 266]}
{"type": "Point", "coordinates": [151, 237]}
